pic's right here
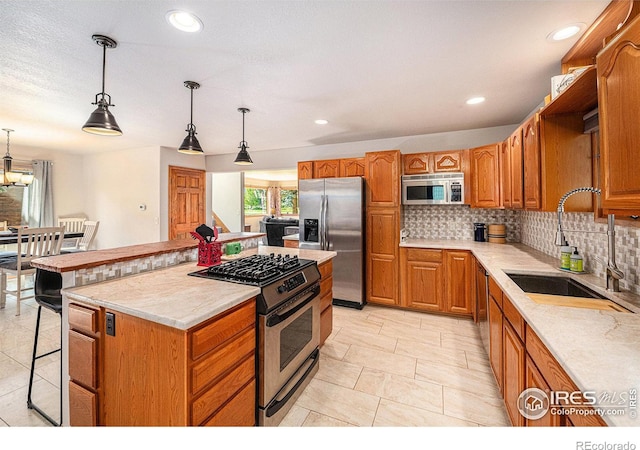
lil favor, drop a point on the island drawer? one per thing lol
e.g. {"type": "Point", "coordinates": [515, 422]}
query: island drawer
{"type": "Point", "coordinates": [240, 411]}
{"type": "Point", "coordinates": [222, 328]}
{"type": "Point", "coordinates": [83, 365]}
{"type": "Point", "coordinates": [83, 406]}
{"type": "Point", "coordinates": [209, 402]}
{"type": "Point", "coordinates": [82, 318]}
{"type": "Point", "coordinates": [495, 291]}
{"type": "Point", "coordinates": [513, 316]}
{"type": "Point", "coordinates": [221, 360]}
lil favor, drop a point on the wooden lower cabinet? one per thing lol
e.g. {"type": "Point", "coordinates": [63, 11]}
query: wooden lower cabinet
{"type": "Point", "coordinates": [150, 374]}
{"type": "Point", "coordinates": [520, 360]}
{"type": "Point", "coordinates": [437, 280]}
{"type": "Point", "coordinates": [291, 243]}
{"type": "Point", "coordinates": [513, 361]}
{"type": "Point", "coordinates": [383, 236]}
{"type": "Point", "coordinates": [326, 300]}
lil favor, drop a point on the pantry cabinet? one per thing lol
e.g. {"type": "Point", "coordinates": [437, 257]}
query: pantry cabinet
{"type": "Point", "coordinates": [383, 231]}
{"type": "Point", "coordinates": [618, 66]}
{"type": "Point", "coordinates": [485, 176]}
{"type": "Point", "coordinates": [382, 173]}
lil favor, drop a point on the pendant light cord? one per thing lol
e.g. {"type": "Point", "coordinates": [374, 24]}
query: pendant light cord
{"type": "Point", "coordinates": [104, 65]}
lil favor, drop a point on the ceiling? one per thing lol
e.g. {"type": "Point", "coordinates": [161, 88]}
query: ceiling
{"type": "Point", "coordinates": [373, 69]}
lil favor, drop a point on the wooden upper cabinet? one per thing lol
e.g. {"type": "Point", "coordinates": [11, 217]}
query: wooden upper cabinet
{"type": "Point", "coordinates": [451, 161]}
{"type": "Point", "coordinates": [351, 167]}
{"type": "Point", "coordinates": [305, 170]}
{"type": "Point", "coordinates": [382, 172]}
{"type": "Point", "coordinates": [417, 163]}
{"type": "Point", "coordinates": [517, 185]}
{"type": "Point", "coordinates": [329, 168]}
{"type": "Point", "coordinates": [531, 163]}
{"type": "Point", "coordinates": [618, 66]}
{"type": "Point", "coordinates": [485, 176]}
{"type": "Point", "coordinates": [505, 170]}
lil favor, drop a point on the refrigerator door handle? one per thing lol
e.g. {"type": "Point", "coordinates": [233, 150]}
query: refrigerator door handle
{"type": "Point", "coordinates": [325, 223]}
{"type": "Point", "coordinates": [321, 225]}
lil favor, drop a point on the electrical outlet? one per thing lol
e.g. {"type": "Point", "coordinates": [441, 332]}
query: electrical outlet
{"type": "Point", "coordinates": [111, 324]}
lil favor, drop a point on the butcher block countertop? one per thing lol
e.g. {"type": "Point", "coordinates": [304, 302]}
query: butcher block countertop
{"type": "Point", "coordinates": [598, 348]}
{"type": "Point", "coordinates": [171, 297]}
{"type": "Point", "coordinates": [85, 260]}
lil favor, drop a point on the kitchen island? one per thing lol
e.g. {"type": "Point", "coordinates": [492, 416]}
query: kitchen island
{"type": "Point", "coordinates": [188, 338]}
{"type": "Point", "coordinates": [596, 349]}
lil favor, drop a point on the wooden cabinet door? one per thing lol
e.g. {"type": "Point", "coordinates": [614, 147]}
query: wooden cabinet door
{"type": "Point", "coordinates": [448, 161]}
{"type": "Point", "coordinates": [534, 379]}
{"type": "Point", "coordinates": [513, 372]}
{"type": "Point", "coordinates": [422, 279]}
{"type": "Point", "coordinates": [187, 194]}
{"type": "Point", "coordinates": [505, 170]}
{"type": "Point", "coordinates": [382, 172]}
{"type": "Point", "coordinates": [515, 153]}
{"type": "Point", "coordinates": [352, 167]}
{"type": "Point", "coordinates": [417, 163]}
{"type": "Point", "coordinates": [485, 176]}
{"type": "Point", "coordinates": [305, 170]}
{"type": "Point", "coordinates": [383, 229]}
{"type": "Point", "coordinates": [459, 277]}
{"type": "Point", "coordinates": [618, 66]}
{"type": "Point", "coordinates": [495, 340]}
{"type": "Point", "coordinates": [531, 163]}
{"type": "Point", "coordinates": [329, 168]}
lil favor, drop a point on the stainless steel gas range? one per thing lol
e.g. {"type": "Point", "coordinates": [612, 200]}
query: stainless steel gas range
{"type": "Point", "coordinates": [288, 310]}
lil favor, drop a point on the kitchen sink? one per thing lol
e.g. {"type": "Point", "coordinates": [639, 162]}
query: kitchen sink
{"type": "Point", "coordinates": [563, 291]}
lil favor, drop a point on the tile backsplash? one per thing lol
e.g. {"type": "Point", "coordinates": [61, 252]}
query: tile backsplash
{"type": "Point", "coordinates": [456, 221]}
{"type": "Point", "coordinates": [538, 230]}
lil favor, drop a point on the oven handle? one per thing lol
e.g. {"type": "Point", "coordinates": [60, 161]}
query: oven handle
{"type": "Point", "coordinates": [277, 404]}
{"type": "Point", "coordinates": [312, 293]}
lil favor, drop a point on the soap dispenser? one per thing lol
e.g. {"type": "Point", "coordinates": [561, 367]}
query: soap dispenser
{"type": "Point", "coordinates": [576, 261]}
{"type": "Point", "coordinates": [565, 257]}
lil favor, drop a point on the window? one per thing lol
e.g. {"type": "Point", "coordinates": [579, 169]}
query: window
{"type": "Point", "coordinates": [255, 201]}
{"type": "Point", "coordinates": [289, 201]}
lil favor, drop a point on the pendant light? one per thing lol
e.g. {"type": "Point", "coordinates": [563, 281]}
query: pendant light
{"type": "Point", "coordinates": [190, 144]}
{"type": "Point", "coordinates": [243, 158]}
{"type": "Point", "coordinates": [101, 121]}
{"type": "Point", "coordinates": [11, 178]}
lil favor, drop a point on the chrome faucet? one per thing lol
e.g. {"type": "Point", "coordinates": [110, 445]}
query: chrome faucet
{"type": "Point", "coordinates": [613, 274]}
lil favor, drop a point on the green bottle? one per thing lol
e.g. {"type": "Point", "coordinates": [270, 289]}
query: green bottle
{"type": "Point", "coordinates": [565, 257]}
{"type": "Point", "coordinates": [576, 261]}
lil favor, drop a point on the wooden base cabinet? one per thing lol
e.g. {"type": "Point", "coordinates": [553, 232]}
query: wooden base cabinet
{"type": "Point", "coordinates": [513, 361]}
{"type": "Point", "coordinates": [326, 300]}
{"type": "Point", "coordinates": [154, 375]}
{"type": "Point", "coordinates": [437, 280]}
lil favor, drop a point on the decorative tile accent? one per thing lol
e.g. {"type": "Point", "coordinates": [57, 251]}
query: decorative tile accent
{"type": "Point", "coordinates": [456, 221]}
{"type": "Point", "coordinates": [581, 230]}
{"type": "Point", "coordinates": [135, 266]}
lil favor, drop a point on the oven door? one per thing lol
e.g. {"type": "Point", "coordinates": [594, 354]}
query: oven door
{"type": "Point", "coordinates": [288, 336]}
{"type": "Point", "coordinates": [425, 192]}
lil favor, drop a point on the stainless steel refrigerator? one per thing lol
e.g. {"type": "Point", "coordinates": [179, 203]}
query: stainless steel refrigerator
{"type": "Point", "coordinates": [332, 218]}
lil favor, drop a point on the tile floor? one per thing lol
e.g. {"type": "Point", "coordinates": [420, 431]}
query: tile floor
{"type": "Point", "coordinates": [389, 367]}
{"type": "Point", "coordinates": [379, 367]}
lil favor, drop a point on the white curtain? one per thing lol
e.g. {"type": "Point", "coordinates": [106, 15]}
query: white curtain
{"type": "Point", "coordinates": [39, 208]}
{"type": "Point", "coordinates": [273, 194]}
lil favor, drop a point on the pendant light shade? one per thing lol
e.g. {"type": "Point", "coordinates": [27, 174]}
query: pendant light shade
{"type": "Point", "coordinates": [11, 177]}
{"type": "Point", "coordinates": [243, 158]}
{"type": "Point", "coordinates": [190, 144]}
{"type": "Point", "coordinates": [101, 121]}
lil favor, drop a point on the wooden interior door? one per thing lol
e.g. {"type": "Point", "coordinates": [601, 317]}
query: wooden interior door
{"type": "Point", "coordinates": [187, 193]}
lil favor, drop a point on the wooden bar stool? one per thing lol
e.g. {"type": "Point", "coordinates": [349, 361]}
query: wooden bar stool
{"type": "Point", "coordinates": [47, 294]}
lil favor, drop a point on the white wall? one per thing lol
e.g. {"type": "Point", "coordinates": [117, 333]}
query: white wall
{"type": "Point", "coordinates": [116, 184]}
{"type": "Point", "coordinates": [288, 158]}
{"type": "Point", "coordinates": [228, 202]}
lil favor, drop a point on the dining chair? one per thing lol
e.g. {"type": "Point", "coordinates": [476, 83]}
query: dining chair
{"type": "Point", "coordinates": [82, 244]}
{"type": "Point", "coordinates": [32, 243]}
{"type": "Point", "coordinates": [71, 225]}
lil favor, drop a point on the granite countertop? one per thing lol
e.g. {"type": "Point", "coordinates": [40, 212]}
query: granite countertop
{"type": "Point", "coordinates": [171, 297]}
{"type": "Point", "coordinates": [85, 260]}
{"type": "Point", "coordinates": [599, 349]}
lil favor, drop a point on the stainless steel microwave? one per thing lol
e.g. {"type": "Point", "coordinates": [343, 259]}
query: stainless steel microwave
{"type": "Point", "coordinates": [433, 189]}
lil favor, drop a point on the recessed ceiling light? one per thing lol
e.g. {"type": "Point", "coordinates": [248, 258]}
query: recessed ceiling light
{"type": "Point", "coordinates": [565, 32]}
{"type": "Point", "coordinates": [321, 122]}
{"type": "Point", "coordinates": [184, 21]}
{"type": "Point", "coordinates": [475, 100]}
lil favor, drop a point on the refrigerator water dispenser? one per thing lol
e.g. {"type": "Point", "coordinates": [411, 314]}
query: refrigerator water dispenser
{"type": "Point", "coordinates": [311, 230]}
